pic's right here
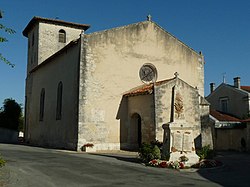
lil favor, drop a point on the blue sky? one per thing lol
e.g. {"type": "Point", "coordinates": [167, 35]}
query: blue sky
{"type": "Point", "coordinates": [218, 28]}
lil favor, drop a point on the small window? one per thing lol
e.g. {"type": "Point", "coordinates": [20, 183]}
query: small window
{"type": "Point", "coordinates": [224, 104]}
{"type": "Point", "coordinates": [59, 101]}
{"type": "Point", "coordinates": [42, 99]}
{"type": "Point", "coordinates": [62, 36]}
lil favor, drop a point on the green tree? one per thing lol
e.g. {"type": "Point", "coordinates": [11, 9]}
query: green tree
{"type": "Point", "coordinates": [10, 115]}
{"type": "Point", "coordinates": [4, 39]}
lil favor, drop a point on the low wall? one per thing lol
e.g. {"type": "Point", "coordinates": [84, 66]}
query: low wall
{"type": "Point", "coordinates": [231, 139]}
{"type": "Point", "coordinates": [8, 136]}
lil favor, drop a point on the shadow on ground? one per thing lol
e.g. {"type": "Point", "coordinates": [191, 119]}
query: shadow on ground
{"type": "Point", "coordinates": [234, 172]}
{"type": "Point", "coordinates": [126, 158]}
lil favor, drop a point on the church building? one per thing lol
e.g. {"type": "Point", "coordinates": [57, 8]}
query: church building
{"type": "Point", "coordinates": [112, 89]}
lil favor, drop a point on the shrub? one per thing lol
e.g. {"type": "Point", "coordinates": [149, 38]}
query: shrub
{"type": "Point", "coordinates": [205, 153]}
{"type": "Point", "coordinates": [148, 152]}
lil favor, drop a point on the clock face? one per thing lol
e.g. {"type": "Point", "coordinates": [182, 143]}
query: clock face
{"type": "Point", "coordinates": [148, 73]}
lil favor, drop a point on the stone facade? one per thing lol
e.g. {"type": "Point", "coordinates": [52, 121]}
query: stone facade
{"type": "Point", "coordinates": [96, 71]}
{"type": "Point", "coordinates": [160, 104]}
{"type": "Point", "coordinates": [50, 131]}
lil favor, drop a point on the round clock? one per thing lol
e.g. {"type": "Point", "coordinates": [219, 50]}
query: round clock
{"type": "Point", "coordinates": [148, 73]}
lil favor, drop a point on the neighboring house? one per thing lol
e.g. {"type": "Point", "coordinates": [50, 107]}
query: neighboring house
{"type": "Point", "coordinates": [77, 84]}
{"type": "Point", "coordinates": [231, 99]}
{"type": "Point", "coordinates": [229, 105]}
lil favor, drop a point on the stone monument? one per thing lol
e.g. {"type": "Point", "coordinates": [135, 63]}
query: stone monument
{"type": "Point", "coordinates": [178, 137]}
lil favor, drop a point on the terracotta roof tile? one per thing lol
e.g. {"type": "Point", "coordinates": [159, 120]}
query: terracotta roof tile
{"type": "Point", "coordinates": [223, 117]}
{"type": "Point", "coordinates": [145, 89]}
{"type": "Point", "coordinates": [141, 90]}
{"type": "Point", "coordinates": [246, 88]}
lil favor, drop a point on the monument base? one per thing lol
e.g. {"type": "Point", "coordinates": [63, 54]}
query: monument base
{"type": "Point", "coordinates": [193, 158]}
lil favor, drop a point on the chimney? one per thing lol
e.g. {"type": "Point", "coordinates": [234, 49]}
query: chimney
{"type": "Point", "coordinates": [212, 87]}
{"type": "Point", "coordinates": [237, 82]}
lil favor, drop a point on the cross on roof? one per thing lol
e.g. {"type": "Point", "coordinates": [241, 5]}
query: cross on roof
{"type": "Point", "coordinates": [176, 74]}
{"type": "Point", "coordinates": [149, 17]}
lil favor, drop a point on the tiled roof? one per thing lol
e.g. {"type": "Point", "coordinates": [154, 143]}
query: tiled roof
{"type": "Point", "coordinates": [246, 120]}
{"type": "Point", "coordinates": [246, 88]}
{"type": "Point", "coordinates": [145, 89]}
{"type": "Point", "coordinates": [141, 90]}
{"type": "Point", "coordinates": [223, 117]}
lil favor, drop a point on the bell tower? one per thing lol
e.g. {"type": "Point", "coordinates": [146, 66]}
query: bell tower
{"type": "Point", "coordinates": [48, 36]}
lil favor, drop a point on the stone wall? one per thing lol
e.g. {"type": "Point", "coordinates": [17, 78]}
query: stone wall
{"type": "Point", "coordinates": [109, 66]}
{"type": "Point", "coordinates": [143, 105]}
{"type": "Point", "coordinates": [45, 44]}
{"type": "Point", "coordinates": [165, 106]}
{"type": "Point", "coordinates": [230, 139]}
{"type": "Point", "coordinates": [48, 39]}
{"type": "Point", "coordinates": [50, 131]}
{"type": "Point", "coordinates": [207, 128]}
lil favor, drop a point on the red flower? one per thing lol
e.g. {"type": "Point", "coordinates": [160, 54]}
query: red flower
{"type": "Point", "coordinates": [163, 164]}
{"type": "Point", "coordinates": [154, 161]}
{"type": "Point", "coordinates": [182, 165]}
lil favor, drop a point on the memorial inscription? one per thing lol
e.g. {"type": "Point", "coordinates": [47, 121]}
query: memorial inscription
{"type": "Point", "coordinates": [182, 142]}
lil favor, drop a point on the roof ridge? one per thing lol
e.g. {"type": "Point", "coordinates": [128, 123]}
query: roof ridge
{"type": "Point", "coordinates": [117, 28]}
{"type": "Point", "coordinates": [47, 60]}
{"type": "Point", "coordinates": [147, 21]}
{"type": "Point", "coordinates": [37, 18]}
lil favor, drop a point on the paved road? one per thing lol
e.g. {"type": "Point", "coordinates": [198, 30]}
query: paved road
{"type": "Point", "coordinates": [31, 166]}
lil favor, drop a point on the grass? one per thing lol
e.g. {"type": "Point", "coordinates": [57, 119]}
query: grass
{"type": "Point", "coordinates": [2, 162]}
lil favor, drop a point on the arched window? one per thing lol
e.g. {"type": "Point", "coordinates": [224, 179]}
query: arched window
{"type": "Point", "coordinates": [42, 99]}
{"type": "Point", "coordinates": [59, 101]}
{"type": "Point", "coordinates": [62, 36]}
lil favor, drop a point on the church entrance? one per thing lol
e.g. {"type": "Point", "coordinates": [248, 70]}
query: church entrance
{"type": "Point", "coordinates": [135, 133]}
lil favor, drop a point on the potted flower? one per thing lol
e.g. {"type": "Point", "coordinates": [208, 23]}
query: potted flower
{"type": "Point", "coordinates": [88, 147]}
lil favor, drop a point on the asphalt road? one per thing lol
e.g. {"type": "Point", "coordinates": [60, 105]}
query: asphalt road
{"type": "Point", "coordinates": [34, 167]}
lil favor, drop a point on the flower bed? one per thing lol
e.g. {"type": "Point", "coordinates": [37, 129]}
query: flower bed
{"type": "Point", "coordinates": [166, 164]}
{"type": "Point", "coordinates": [205, 163]}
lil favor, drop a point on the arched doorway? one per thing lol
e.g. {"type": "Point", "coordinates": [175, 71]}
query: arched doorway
{"type": "Point", "coordinates": [135, 131]}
